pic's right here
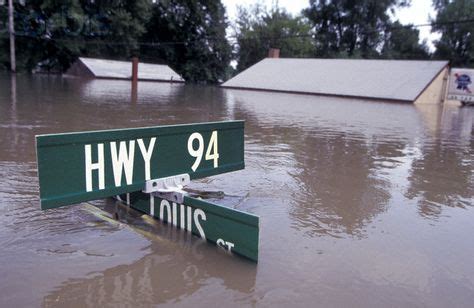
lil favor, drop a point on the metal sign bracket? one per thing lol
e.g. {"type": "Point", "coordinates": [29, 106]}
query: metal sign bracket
{"type": "Point", "coordinates": [169, 188]}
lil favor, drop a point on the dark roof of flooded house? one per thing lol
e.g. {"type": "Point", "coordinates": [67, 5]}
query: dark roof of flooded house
{"type": "Point", "coordinates": [402, 80]}
{"type": "Point", "coordinates": [111, 69]}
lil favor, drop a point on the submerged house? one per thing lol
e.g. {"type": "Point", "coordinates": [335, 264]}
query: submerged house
{"type": "Point", "coordinates": [421, 82]}
{"type": "Point", "coordinates": [111, 69]}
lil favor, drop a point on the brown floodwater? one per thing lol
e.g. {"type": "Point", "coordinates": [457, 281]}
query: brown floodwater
{"type": "Point", "coordinates": [360, 203]}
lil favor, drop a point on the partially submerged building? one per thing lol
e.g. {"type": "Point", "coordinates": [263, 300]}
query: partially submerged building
{"type": "Point", "coordinates": [111, 69]}
{"type": "Point", "coordinates": [392, 80]}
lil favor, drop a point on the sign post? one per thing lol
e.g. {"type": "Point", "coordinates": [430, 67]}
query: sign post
{"type": "Point", "coordinates": [78, 167]}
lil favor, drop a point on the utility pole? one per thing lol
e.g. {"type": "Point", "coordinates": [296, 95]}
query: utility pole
{"type": "Point", "coordinates": [11, 29]}
{"type": "Point", "coordinates": [134, 79]}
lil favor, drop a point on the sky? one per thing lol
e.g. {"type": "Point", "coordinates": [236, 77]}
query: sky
{"type": "Point", "coordinates": [417, 13]}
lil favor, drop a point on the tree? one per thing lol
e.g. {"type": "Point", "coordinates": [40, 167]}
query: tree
{"type": "Point", "coordinates": [350, 28]}
{"type": "Point", "coordinates": [455, 22]}
{"type": "Point", "coordinates": [402, 42]}
{"type": "Point", "coordinates": [190, 35]}
{"type": "Point", "coordinates": [47, 33]}
{"type": "Point", "coordinates": [53, 32]}
{"type": "Point", "coordinates": [36, 25]}
{"type": "Point", "coordinates": [117, 26]}
{"type": "Point", "coordinates": [257, 30]}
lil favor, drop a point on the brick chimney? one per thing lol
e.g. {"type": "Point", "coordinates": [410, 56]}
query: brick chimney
{"type": "Point", "coordinates": [274, 53]}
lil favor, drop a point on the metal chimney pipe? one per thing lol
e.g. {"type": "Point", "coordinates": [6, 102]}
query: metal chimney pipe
{"type": "Point", "coordinates": [274, 53]}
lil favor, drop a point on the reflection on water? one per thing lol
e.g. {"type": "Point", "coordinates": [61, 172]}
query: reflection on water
{"type": "Point", "coordinates": [361, 203]}
{"type": "Point", "coordinates": [341, 163]}
{"type": "Point", "coordinates": [175, 266]}
{"type": "Point", "coordinates": [442, 175]}
{"type": "Point", "coordinates": [345, 165]}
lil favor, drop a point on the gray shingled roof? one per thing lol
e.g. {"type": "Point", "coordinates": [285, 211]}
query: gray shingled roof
{"type": "Point", "coordinates": [123, 70]}
{"type": "Point", "coordinates": [384, 79]}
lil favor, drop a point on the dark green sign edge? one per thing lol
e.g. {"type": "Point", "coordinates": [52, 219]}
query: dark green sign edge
{"type": "Point", "coordinates": [144, 132]}
{"type": "Point", "coordinates": [242, 217]}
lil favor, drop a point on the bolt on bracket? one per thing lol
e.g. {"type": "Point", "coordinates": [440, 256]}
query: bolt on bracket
{"type": "Point", "coordinates": [169, 188]}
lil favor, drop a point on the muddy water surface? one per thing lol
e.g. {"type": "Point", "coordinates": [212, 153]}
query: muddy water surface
{"type": "Point", "coordinates": [360, 203]}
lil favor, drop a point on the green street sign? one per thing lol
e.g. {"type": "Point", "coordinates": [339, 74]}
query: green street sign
{"type": "Point", "coordinates": [77, 167]}
{"type": "Point", "coordinates": [230, 229]}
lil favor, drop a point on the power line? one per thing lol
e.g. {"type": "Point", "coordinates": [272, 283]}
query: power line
{"type": "Point", "coordinates": [389, 27]}
{"type": "Point", "coordinates": [432, 24]}
{"type": "Point", "coordinates": [203, 39]}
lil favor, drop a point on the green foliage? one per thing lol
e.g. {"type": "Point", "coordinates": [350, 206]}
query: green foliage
{"type": "Point", "coordinates": [350, 28]}
{"type": "Point", "coordinates": [329, 29]}
{"type": "Point", "coordinates": [402, 42]}
{"type": "Point", "coordinates": [190, 36]}
{"type": "Point", "coordinates": [457, 42]}
{"type": "Point", "coordinates": [121, 24]}
{"type": "Point", "coordinates": [258, 30]}
{"type": "Point", "coordinates": [4, 42]}
{"type": "Point", "coordinates": [54, 33]}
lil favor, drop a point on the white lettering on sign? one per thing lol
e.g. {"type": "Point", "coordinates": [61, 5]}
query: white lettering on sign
{"type": "Point", "coordinates": [213, 145]}
{"type": "Point", "coordinates": [224, 244]}
{"type": "Point", "coordinates": [175, 215]}
{"type": "Point", "coordinates": [165, 205]}
{"type": "Point", "coordinates": [152, 206]}
{"type": "Point", "coordinates": [123, 158]}
{"type": "Point", "coordinates": [99, 166]}
{"type": "Point", "coordinates": [147, 155]}
{"type": "Point", "coordinates": [182, 215]}
{"type": "Point", "coordinates": [189, 219]}
{"type": "Point", "coordinates": [199, 213]}
{"type": "Point", "coordinates": [197, 153]}
{"type": "Point", "coordinates": [186, 216]}
{"type": "Point", "coordinates": [122, 161]}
